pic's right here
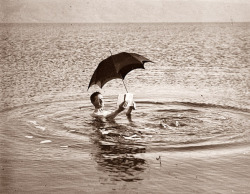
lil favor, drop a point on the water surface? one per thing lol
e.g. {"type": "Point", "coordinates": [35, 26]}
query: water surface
{"type": "Point", "coordinates": [190, 132]}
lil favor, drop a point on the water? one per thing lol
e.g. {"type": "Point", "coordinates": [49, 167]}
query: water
{"type": "Point", "coordinates": [190, 132]}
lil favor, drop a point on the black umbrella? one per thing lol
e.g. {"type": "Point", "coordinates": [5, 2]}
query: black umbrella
{"type": "Point", "coordinates": [117, 66]}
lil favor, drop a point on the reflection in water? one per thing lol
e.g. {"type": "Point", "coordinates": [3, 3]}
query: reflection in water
{"type": "Point", "coordinates": [116, 154]}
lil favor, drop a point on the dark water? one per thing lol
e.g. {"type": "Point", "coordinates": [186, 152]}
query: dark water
{"type": "Point", "coordinates": [190, 132]}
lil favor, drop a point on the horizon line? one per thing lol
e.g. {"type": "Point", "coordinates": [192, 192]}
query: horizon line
{"type": "Point", "coordinates": [119, 22]}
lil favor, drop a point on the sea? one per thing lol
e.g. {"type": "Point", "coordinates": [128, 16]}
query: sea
{"type": "Point", "coordinates": [190, 132]}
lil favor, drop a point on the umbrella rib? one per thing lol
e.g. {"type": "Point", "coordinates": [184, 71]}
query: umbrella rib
{"type": "Point", "coordinates": [119, 73]}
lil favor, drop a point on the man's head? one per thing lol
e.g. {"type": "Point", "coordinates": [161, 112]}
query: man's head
{"type": "Point", "coordinates": [97, 100]}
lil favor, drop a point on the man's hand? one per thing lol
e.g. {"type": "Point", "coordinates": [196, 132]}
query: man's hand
{"type": "Point", "coordinates": [122, 106]}
{"type": "Point", "coordinates": [133, 106]}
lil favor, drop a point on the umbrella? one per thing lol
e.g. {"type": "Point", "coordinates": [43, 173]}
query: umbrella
{"type": "Point", "coordinates": [117, 66]}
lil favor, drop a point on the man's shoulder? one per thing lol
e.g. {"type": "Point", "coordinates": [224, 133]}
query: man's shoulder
{"type": "Point", "coordinates": [100, 114]}
{"type": "Point", "coordinates": [96, 115]}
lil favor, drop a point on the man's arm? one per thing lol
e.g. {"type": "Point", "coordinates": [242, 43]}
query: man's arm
{"type": "Point", "coordinates": [116, 112]}
{"type": "Point", "coordinates": [130, 109]}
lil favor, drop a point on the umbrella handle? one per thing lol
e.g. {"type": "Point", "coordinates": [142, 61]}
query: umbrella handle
{"type": "Point", "coordinates": [124, 85]}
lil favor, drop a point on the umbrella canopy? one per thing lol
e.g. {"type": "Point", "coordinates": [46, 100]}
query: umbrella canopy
{"type": "Point", "coordinates": [117, 66]}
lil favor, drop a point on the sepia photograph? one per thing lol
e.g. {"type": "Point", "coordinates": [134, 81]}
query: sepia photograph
{"type": "Point", "coordinates": [124, 96]}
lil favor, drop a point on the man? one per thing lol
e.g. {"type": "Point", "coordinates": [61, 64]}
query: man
{"type": "Point", "coordinates": [97, 100]}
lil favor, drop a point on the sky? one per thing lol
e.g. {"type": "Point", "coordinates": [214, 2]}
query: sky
{"type": "Point", "coordinates": [117, 11]}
